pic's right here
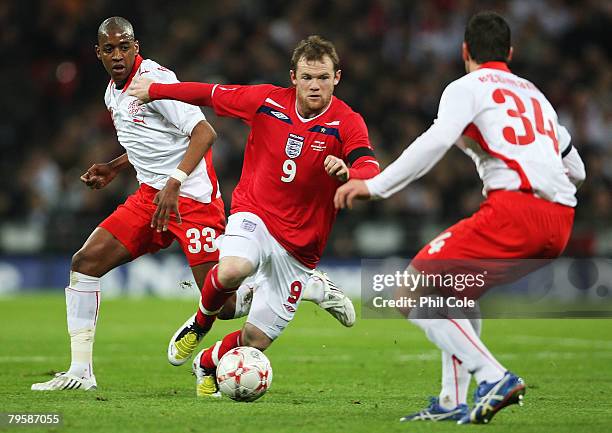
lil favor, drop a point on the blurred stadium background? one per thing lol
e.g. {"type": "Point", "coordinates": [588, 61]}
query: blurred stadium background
{"type": "Point", "coordinates": [396, 56]}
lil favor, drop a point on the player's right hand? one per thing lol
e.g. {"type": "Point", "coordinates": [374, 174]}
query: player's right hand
{"type": "Point", "coordinates": [98, 176]}
{"type": "Point", "coordinates": [140, 89]}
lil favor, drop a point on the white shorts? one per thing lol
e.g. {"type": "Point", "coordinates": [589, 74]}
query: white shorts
{"type": "Point", "coordinates": [280, 278]}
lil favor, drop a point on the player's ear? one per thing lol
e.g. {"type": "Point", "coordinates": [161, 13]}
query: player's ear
{"type": "Point", "coordinates": [510, 53]}
{"type": "Point", "coordinates": [137, 46]}
{"type": "Point", "coordinates": [98, 54]}
{"type": "Point", "coordinates": [465, 53]}
{"type": "Point", "coordinates": [337, 76]}
{"type": "Point", "coordinates": [292, 77]}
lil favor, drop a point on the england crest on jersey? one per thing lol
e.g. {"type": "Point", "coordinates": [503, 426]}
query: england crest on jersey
{"type": "Point", "coordinates": [293, 148]}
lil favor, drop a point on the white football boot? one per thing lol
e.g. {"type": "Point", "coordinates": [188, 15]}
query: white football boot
{"type": "Point", "coordinates": [334, 301]}
{"type": "Point", "coordinates": [206, 382]}
{"type": "Point", "coordinates": [66, 382]}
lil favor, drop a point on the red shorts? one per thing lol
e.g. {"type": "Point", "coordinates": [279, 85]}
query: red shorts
{"type": "Point", "coordinates": [201, 224]}
{"type": "Point", "coordinates": [509, 228]}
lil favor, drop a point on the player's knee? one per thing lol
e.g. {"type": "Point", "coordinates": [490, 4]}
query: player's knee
{"type": "Point", "coordinates": [233, 270]}
{"type": "Point", "coordinates": [90, 260]}
{"type": "Point", "coordinates": [83, 261]}
{"type": "Point", "coordinates": [254, 337]}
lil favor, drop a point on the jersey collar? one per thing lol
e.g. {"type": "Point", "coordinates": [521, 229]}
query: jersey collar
{"type": "Point", "coordinates": [303, 119]}
{"type": "Point", "coordinates": [495, 65]}
{"type": "Point", "coordinates": [137, 63]}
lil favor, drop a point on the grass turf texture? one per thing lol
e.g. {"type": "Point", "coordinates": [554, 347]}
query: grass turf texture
{"type": "Point", "coordinates": [326, 378]}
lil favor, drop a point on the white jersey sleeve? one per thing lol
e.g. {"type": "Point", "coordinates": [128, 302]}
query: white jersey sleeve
{"type": "Point", "coordinates": [456, 111]}
{"type": "Point", "coordinates": [508, 128]}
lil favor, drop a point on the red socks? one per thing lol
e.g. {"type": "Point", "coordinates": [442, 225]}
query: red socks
{"type": "Point", "coordinates": [211, 356]}
{"type": "Point", "coordinates": [213, 297]}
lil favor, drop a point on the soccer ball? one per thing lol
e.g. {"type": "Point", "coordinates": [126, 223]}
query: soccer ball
{"type": "Point", "coordinates": [244, 374]}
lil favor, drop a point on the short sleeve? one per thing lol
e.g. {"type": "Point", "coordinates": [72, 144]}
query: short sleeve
{"type": "Point", "coordinates": [239, 101]}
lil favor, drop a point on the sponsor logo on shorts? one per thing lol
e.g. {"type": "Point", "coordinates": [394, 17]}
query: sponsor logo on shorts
{"type": "Point", "coordinates": [247, 225]}
{"type": "Point", "coordinates": [289, 308]}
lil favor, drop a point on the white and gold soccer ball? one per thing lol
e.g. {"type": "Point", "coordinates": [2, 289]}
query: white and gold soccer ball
{"type": "Point", "coordinates": [244, 374]}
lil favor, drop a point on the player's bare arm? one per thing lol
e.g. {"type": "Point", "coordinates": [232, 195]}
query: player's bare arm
{"type": "Point", "coordinates": [336, 167]}
{"type": "Point", "coordinates": [202, 138]}
{"type": "Point", "coordinates": [139, 88]}
{"type": "Point", "coordinates": [99, 175]}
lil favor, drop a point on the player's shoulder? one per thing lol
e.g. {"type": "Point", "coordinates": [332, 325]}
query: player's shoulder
{"type": "Point", "coordinates": [151, 69]}
{"type": "Point", "coordinates": [345, 114]}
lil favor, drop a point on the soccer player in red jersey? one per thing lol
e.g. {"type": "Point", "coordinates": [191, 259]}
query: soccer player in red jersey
{"type": "Point", "coordinates": [301, 142]}
{"type": "Point", "coordinates": [530, 173]}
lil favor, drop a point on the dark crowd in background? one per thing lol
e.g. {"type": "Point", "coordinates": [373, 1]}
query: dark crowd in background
{"type": "Point", "coordinates": [396, 57]}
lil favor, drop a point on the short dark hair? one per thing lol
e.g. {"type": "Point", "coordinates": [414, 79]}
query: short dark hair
{"type": "Point", "coordinates": [315, 48]}
{"type": "Point", "coordinates": [487, 36]}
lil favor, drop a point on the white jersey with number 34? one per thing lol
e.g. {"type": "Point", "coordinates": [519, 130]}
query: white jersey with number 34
{"type": "Point", "coordinates": [505, 124]}
{"type": "Point", "coordinates": [513, 134]}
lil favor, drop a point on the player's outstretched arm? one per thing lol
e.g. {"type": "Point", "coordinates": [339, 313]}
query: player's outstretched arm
{"type": "Point", "coordinates": [100, 175]}
{"type": "Point", "coordinates": [146, 90]}
{"type": "Point", "coordinates": [202, 138]}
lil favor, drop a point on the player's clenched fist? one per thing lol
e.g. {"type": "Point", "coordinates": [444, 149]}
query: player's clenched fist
{"type": "Point", "coordinates": [353, 189]}
{"type": "Point", "coordinates": [336, 167]}
{"type": "Point", "coordinates": [98, 176]}
{"type": "Point", "coordinates": [140, 89]}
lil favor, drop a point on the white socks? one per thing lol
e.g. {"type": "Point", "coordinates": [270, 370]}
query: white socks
{"type": "Point", "coordinates": [455, 377]}
{"type": "Point", "coordinates": [458, 337]}
{"type": "Point", "coordinates": [82, 305]}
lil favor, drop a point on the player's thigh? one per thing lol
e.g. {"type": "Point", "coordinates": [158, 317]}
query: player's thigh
{"type": "Point", "coordinates": [281, 282]}
{"type": "Point", "coordinates": [100, 253]}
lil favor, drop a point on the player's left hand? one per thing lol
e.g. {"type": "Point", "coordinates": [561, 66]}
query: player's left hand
{"type": "Point", "coordinates": [337, 168]}
{"type": "Point", "coordinates": [353, 189]}
{"type": "Point", "coordinates": [139, 88]}
{"type": "Point", "coordinates": [167, 204]}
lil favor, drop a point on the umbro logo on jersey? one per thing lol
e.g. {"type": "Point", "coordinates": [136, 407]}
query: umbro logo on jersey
{"type": "Point", "coordinates": [279, 115]}
{"type": "Point", "coordinates": [293, 148]}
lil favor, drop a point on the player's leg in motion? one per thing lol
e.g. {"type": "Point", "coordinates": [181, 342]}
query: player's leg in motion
{"type": "Point", "coordinates": [320, 290]}
{"type": "Point", "coordinates": [100, 253]}
{"type": "Point", "coordinates": [220, 284]}
{"type": "Point", "coordinates": [216, 299]}
{"type": "Point", "coordinates": [497, 387]}
{"type": "Point", "coordinates": [451, 404]}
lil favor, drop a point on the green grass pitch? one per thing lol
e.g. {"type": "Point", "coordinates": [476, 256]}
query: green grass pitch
{"type": "Point", "coordinates": [326, 378]}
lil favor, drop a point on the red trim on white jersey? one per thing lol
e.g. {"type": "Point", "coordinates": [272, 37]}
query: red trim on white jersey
{"type": "Point", "coordinates": [137, 63]}
{"type": "Point", "coordinates": [212, 174]}
{"type": "Point", "coordinates": [495, 65]}
{"type": "Point", "coordinates": [473, 132]}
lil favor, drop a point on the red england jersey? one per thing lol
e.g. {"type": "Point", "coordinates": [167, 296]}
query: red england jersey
{"type": "Point", "coordinates": [283, 178]}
